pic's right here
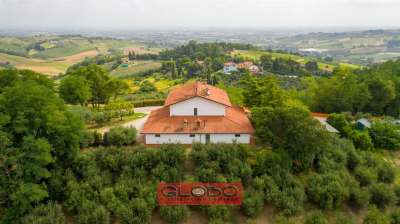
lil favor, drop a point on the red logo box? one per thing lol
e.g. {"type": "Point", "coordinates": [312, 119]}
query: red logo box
{"type": "Point", "coordinates": [200, 193]}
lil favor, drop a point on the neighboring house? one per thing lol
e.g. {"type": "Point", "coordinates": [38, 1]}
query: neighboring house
{"type": "Point", "coordinates": [197, 112]}
{"type": "Point", "coordinates": [230, 67]}
{"type": "Point", "coordinates": [322, 119]}
{"type": "Point", "coordinates": [254, 69]}
{"type": "Point", "coordinates": [248, 65]}
{"type": "Point", "coordinates": [363, 124]}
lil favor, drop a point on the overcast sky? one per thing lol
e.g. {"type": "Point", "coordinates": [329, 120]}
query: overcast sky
{"type": "Point", "coordinates": [198, 13]}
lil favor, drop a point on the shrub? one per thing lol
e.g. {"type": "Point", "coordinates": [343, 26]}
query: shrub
{"type": "Point", "coordinates": [343, 218]}
{"type": "Point", "coordinates": [253, 204]}
{"type": "Point", "coordinates": [90, 212]}
{"type": "Point", "coordinates": [338, 121]}
{"type": "Point", "coordinates": [353, 159]}
{"type": "Point", "coordinates": [101, 118]}
{"type": "Point", "coordinates": [382, 195]}
{"type": "Point", "coordinates": [385, 135]}
{"type": "Point", "coordinates": [386, 173]}
{"type": "Point", "coordinates": [174, 214]}
{"type": "Point", "coordinates": [120, 136]}
{"type": "Point", "coordinates": [361, 140]}
{"type": "Point", "coordinates": [315, 218]}
{"type": "Point", "coordinates": [395, 217]}
{"type": "Point", "coordinates": [328, 190]}
{"type": "Point", "coordinates": [45, 214]}
{"type": "Point", "coordinates": [217, 213]}
{"type": "Point", "coordinates": [285, 192]}
{"type": "Point", "coordinates": [365, 175]}
{"type": "Point", "coordinates": [359, 197]}
{"type": "Point", "coordinates": [97, 138]}
{"type": "Point", "coordinates": [150, 102]}
{"type": "Point", "coordinates": [147, 86]}
{"type": "Point", "coordinates": [374, 216]}
{"type": "Point", "coordinates": [87, 139]}
{"type": "Point", "coordinates": [280, 219]}
{"type": "Point", "coordinates": [397, 193]}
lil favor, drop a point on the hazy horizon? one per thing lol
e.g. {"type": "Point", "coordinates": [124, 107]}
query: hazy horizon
{"type": "Point", "coordinates": [181, 14]}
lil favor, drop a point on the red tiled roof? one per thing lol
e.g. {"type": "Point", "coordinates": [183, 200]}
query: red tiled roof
{"type": "Point", "coordinates": [235, 121]}
{"type": "Point", "coordinates": [197, 89]}
{"type": "Point", "coordinates": [316, 114]}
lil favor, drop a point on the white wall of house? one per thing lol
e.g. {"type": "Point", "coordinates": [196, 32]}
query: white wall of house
{"type": "Point", "coordinates": [188, 139]}
{"type": "Point", "coordinates": [204, 108]}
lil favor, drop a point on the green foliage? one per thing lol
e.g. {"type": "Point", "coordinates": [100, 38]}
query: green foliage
{"type": "Point", "coordinates": [327, 190]}
{"type": "Point", "coordinates": [315, 218]}
{"type": "Point", "coordinates": [217, 213]}
{"type": "Point", "coordinates": [38, 132]}
{"type": "Point", "coordinates": [382, 195]}
{"type": "Point", "coordinates": [395, 217]}
{"type": "Point", "coordinates": [174, 214]}
{"type": "Point", "coordinates": [382, 93]}
{"type": "Point", "coordinates": [102, 86]}
{"type": "Point", "coordinates": [147, 86]}
{"type": "Point", "coordinates": [75, 90]}
{"type": "Point", "coordinates": [343, 92]}
{"type": "Point", "coordinates": [221, 159]}
{"type": "Point", "coordinates": [279, 127]}
{"type": "Point", "coordinates": [385, 135]}
{"type": "Point", "coordinates": [359, 197]}
{"type": "Point", "coordinates": [375, 216]}
{"type": "Point", "coordinates": [120, 136]}
{"type": "Point", "coordinates": [386, 173]}
{"type": "Point", "coordinates": [343, 218]}
{"type": "Point", "coordinates": [50, 213]}
{"type": "Point", "coordinates": [365, 175]}
{"type": "Point", "coordinates": [338, 121]}
{"type": "Point", "coordinates": [361, 139]}
{"type": "Point", "coordinates": [284, 191]}
{"type": "Point", "coordinates": [90, 212]}
{"type": "Point", "coordinates": [253, 204]}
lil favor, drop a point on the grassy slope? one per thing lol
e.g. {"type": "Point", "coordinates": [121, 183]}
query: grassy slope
{"type": "Point", "coordinates": [257, 54]}
{"type": "Point", "coordinates": [137, 67]}
{"type": "Point", "coordinates": [49, 67]}
{"type": "Point", "coordinates": [55, 59]}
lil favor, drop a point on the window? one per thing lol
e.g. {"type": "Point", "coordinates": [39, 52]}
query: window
{"type": "Point", "coordinates": [195, 111]}
{"type": "Point", "coordinates": [158, 135]}
{"type": "Point", "coordinates": [192, 135]}
{"type": "Point", "coordinates": [237, 135]}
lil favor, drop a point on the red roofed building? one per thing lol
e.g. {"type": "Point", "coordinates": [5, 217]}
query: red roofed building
{"type": "Point", "coordinates": [198, 112]}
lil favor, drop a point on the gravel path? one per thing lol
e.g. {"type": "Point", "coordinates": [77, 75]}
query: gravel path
{"type": "Point", "coordinates": [138, 124]}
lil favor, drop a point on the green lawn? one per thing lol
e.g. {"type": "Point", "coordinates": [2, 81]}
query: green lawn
{"type": "Point", "coordinates": [137, 67]}
{"type": "Point", "coordinates": [255, 55]}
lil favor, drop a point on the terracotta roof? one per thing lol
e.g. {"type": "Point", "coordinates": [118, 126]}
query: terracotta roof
{"type": "Point", "coordinates": [230, 63]}
{"type": "Point", "coordinates": [316, 114]}
{"type": "Point", "coordinates": [235, 121]}
{"type": "Point", "coordinates": [197, 89]}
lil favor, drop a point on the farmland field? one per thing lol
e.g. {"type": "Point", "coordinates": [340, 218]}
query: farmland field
{"type": "Point", "coordinates": [300, 59]}
{"type": "Point", "coordinates": [137, 67]}
{"type": "Point", "coordinates": [52, 55]}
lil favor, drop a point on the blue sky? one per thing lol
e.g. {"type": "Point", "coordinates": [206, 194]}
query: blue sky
{"type": "Point", "coordinates": [198, 13]}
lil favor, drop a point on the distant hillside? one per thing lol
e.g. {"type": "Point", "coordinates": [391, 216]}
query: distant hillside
{"type": "Point", "coordinates": [52, 55]}
{"type": "Point", "coordinates": [323, 65]}
{"type": "Point", "coordinates": [362, 47]}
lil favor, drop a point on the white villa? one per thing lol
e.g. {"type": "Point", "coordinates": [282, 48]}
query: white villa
{"type": "Point", "coordinates": [197, 112]}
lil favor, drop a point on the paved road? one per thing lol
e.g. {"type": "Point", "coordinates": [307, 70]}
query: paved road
{"type": "Point", "coordinates": [138, 124]}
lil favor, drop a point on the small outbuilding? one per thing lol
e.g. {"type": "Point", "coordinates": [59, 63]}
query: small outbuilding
{"type": "Point", "coordinates": [363, 124]}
